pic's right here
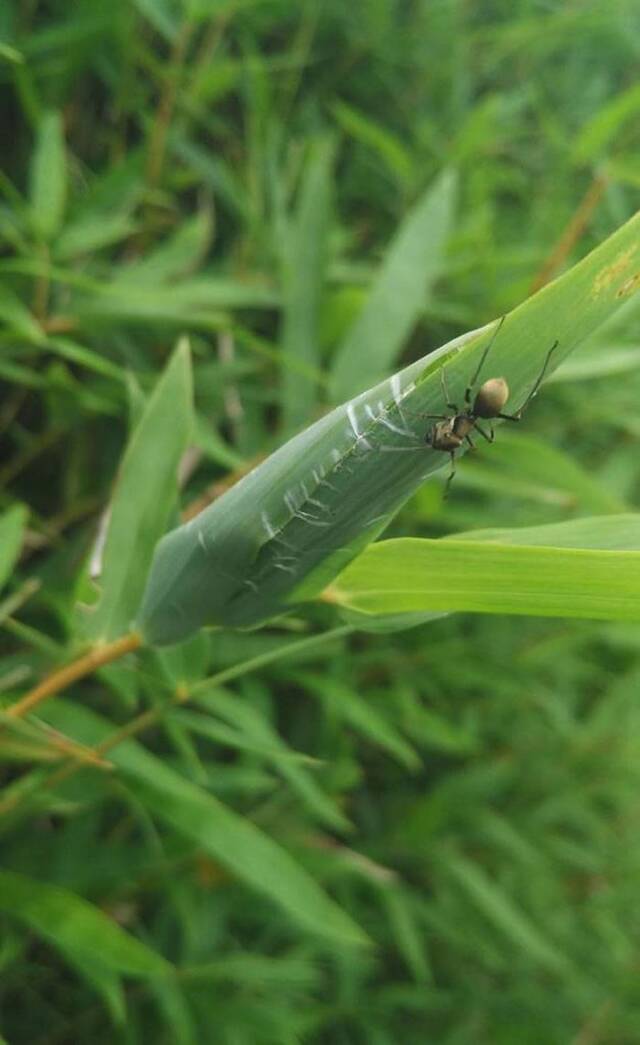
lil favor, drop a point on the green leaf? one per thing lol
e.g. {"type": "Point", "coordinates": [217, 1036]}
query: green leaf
{"type": "Point", "coordinates": [500, 909]}
{"type": "Point", "coordinates": [287, 528]}
{"type": "Point", "coordinates": [595, 364]}
{"type": "Point", "coordinates": [606, 532]}
{"type": "Point", "coordinates": [92, 232]}
{"type": "Point", "coordinates": [76, 927]}
{"type": "Point", "coordinates": [12, 526]}
{"type": "Point", "coordinates": [18, 318]}
{"type": "Point", "coordinates": [362, 717]}
{"type": "Point", "coordinates": [550, 571]}
{"type": "Point", "coordinates": [187, 303]}
{"type": "Point", "coordinates": [606, 124]}
{"type": "Point", "coordinates": [256, 733]}
{"type": "Point", "coordinates": [175, 257]}
{"type": "Point", "coordinates": [234, 841]}
{"type": "Point", "coordinates": [145, 493]}
{"type": "Point", "coordinates": [303, 277]}
{"type": "Point", "coordinates": [408, 938]}
{"type": "Point", "coordinates": [374, 136]}
{"type": "Point", "coordinates": [399, 293]}
{"type": "Point", "coordinates": [48, 176]}
{"type": "Point", "coordinates": [85, 357]}
{"type": "Point", "coordinates": [521, 465]}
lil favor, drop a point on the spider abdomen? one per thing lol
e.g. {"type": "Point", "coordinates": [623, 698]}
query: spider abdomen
{"type": "Point", "coordinates": [491, 398]}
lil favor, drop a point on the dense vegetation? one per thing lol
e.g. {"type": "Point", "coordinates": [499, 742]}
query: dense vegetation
{"type": "Point", "coordinates": [464, 793]}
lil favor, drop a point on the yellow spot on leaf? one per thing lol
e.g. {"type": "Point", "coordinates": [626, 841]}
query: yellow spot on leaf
{"type": "Point", "coordinates": [611, 273]}
{"type": "Point", "coordinates": [629, 286]}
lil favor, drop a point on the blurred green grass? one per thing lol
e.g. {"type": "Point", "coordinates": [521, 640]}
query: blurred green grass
{"type": "Point", "coordinates": [466, 791]}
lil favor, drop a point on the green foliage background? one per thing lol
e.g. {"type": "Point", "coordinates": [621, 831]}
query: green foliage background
{"type": "Point", "coordinates": [464, 794]}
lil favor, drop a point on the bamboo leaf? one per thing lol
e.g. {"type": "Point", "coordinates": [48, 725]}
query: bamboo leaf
{"type": "Point", "coordinates": [92, 232]}
{"type": "Point", "coordinates": [584, 568]}
{"type": "Point", "coordinates": [145, 492]}
{"type": "Point", "coordinates": [361, 716]}
{"type": "Point", "coordinates": [76, 927]}
{"type": "Point", "coordinates": [12, 526]}
{"type": "Point", "coordinates": [531, 466]}
{"type": "Point", "coordinates": [18, 318]}
{"type": "Point", "coordinates": [252, 728]}
{"type": "Point", "coordinates": [288, 527]}
{"type": "Point", "coordinates": [606, 124]}
{"type": "Point", "coordinates": [232, 840]}
{"type": "Point", "coordinates": [48, 176]}
{"type": "Point", "coordinates": [398, 294]}
{"type": "Point", "coordinates": [497, 906]}
{"type": "Point", "coordinates": [304, 267]}
{"type": "Point", "coordinates": [372, 135]}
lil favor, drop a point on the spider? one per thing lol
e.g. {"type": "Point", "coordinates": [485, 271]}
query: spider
{"type": "Point", "coordinates": [452, 431]}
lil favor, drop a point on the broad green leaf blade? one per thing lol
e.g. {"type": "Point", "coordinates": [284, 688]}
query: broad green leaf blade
{"type": "Point", "coordinates": [482, 576]}
{"type": "Point", "coordinates": [12, 525]}
{"type": "Point", "coordinates": [286, 529]}
{"type": "Point", "coordinates": [77, 927]}
{"type": "Point", "coordinates": [399, 293]}
{"type": "Point", "coordinates": [303, 277]}
{"type": "Point", "coordinates": [48, 177]}
{"type": "Point", "coordinates": [234, 841]}
{"type": "Point", "coordinates": [145, 492]}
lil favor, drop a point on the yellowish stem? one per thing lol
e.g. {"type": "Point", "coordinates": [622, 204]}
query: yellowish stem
{"type": "Point", "coordinates": [95, 658]}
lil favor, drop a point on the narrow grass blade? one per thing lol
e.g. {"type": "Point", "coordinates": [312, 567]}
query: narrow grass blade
{"type": "Point", "coordinates": [398, 295]}
{"type": "Point", "coordinates": [175, 257]}
{"type": "Point", "coordinates": [18, 318]}
{"type": "Point", "coordinates": [606, 124]}
{"type": "Point", "coordinates": [394, 154]}
{"type": "Point", "coordinates": [12, 525]}
{"type": "Point", "coordinates": [48, 177]}
{"type": "Point", "coordinates": [358, 714]}
{"type": "Point", "coordinates": [145, 492]}
{"type": "Point", "coordinates": [500, 909]}
{"type": "Point", "coordinates": [92, 232]}
{"type": "Point", "coordinates": [304, 268]}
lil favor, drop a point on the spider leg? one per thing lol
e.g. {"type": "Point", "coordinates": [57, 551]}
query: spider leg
{"type": "Point", "coordinates": [451, 475]}
{"type": "Point", "coordinates": [482, 432]}
{"type": "Point", "coordinates": [534, 390]}
{"type": "Point", "coordinates": [472, 446]}
{"type": "Point", "coordinates": [445, 391]}
{"type": "Point", "coordinates": [469, 388]}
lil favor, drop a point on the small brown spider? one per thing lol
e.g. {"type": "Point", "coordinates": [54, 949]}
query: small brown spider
{"type": "Point", "coordinates": [451, 431]}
